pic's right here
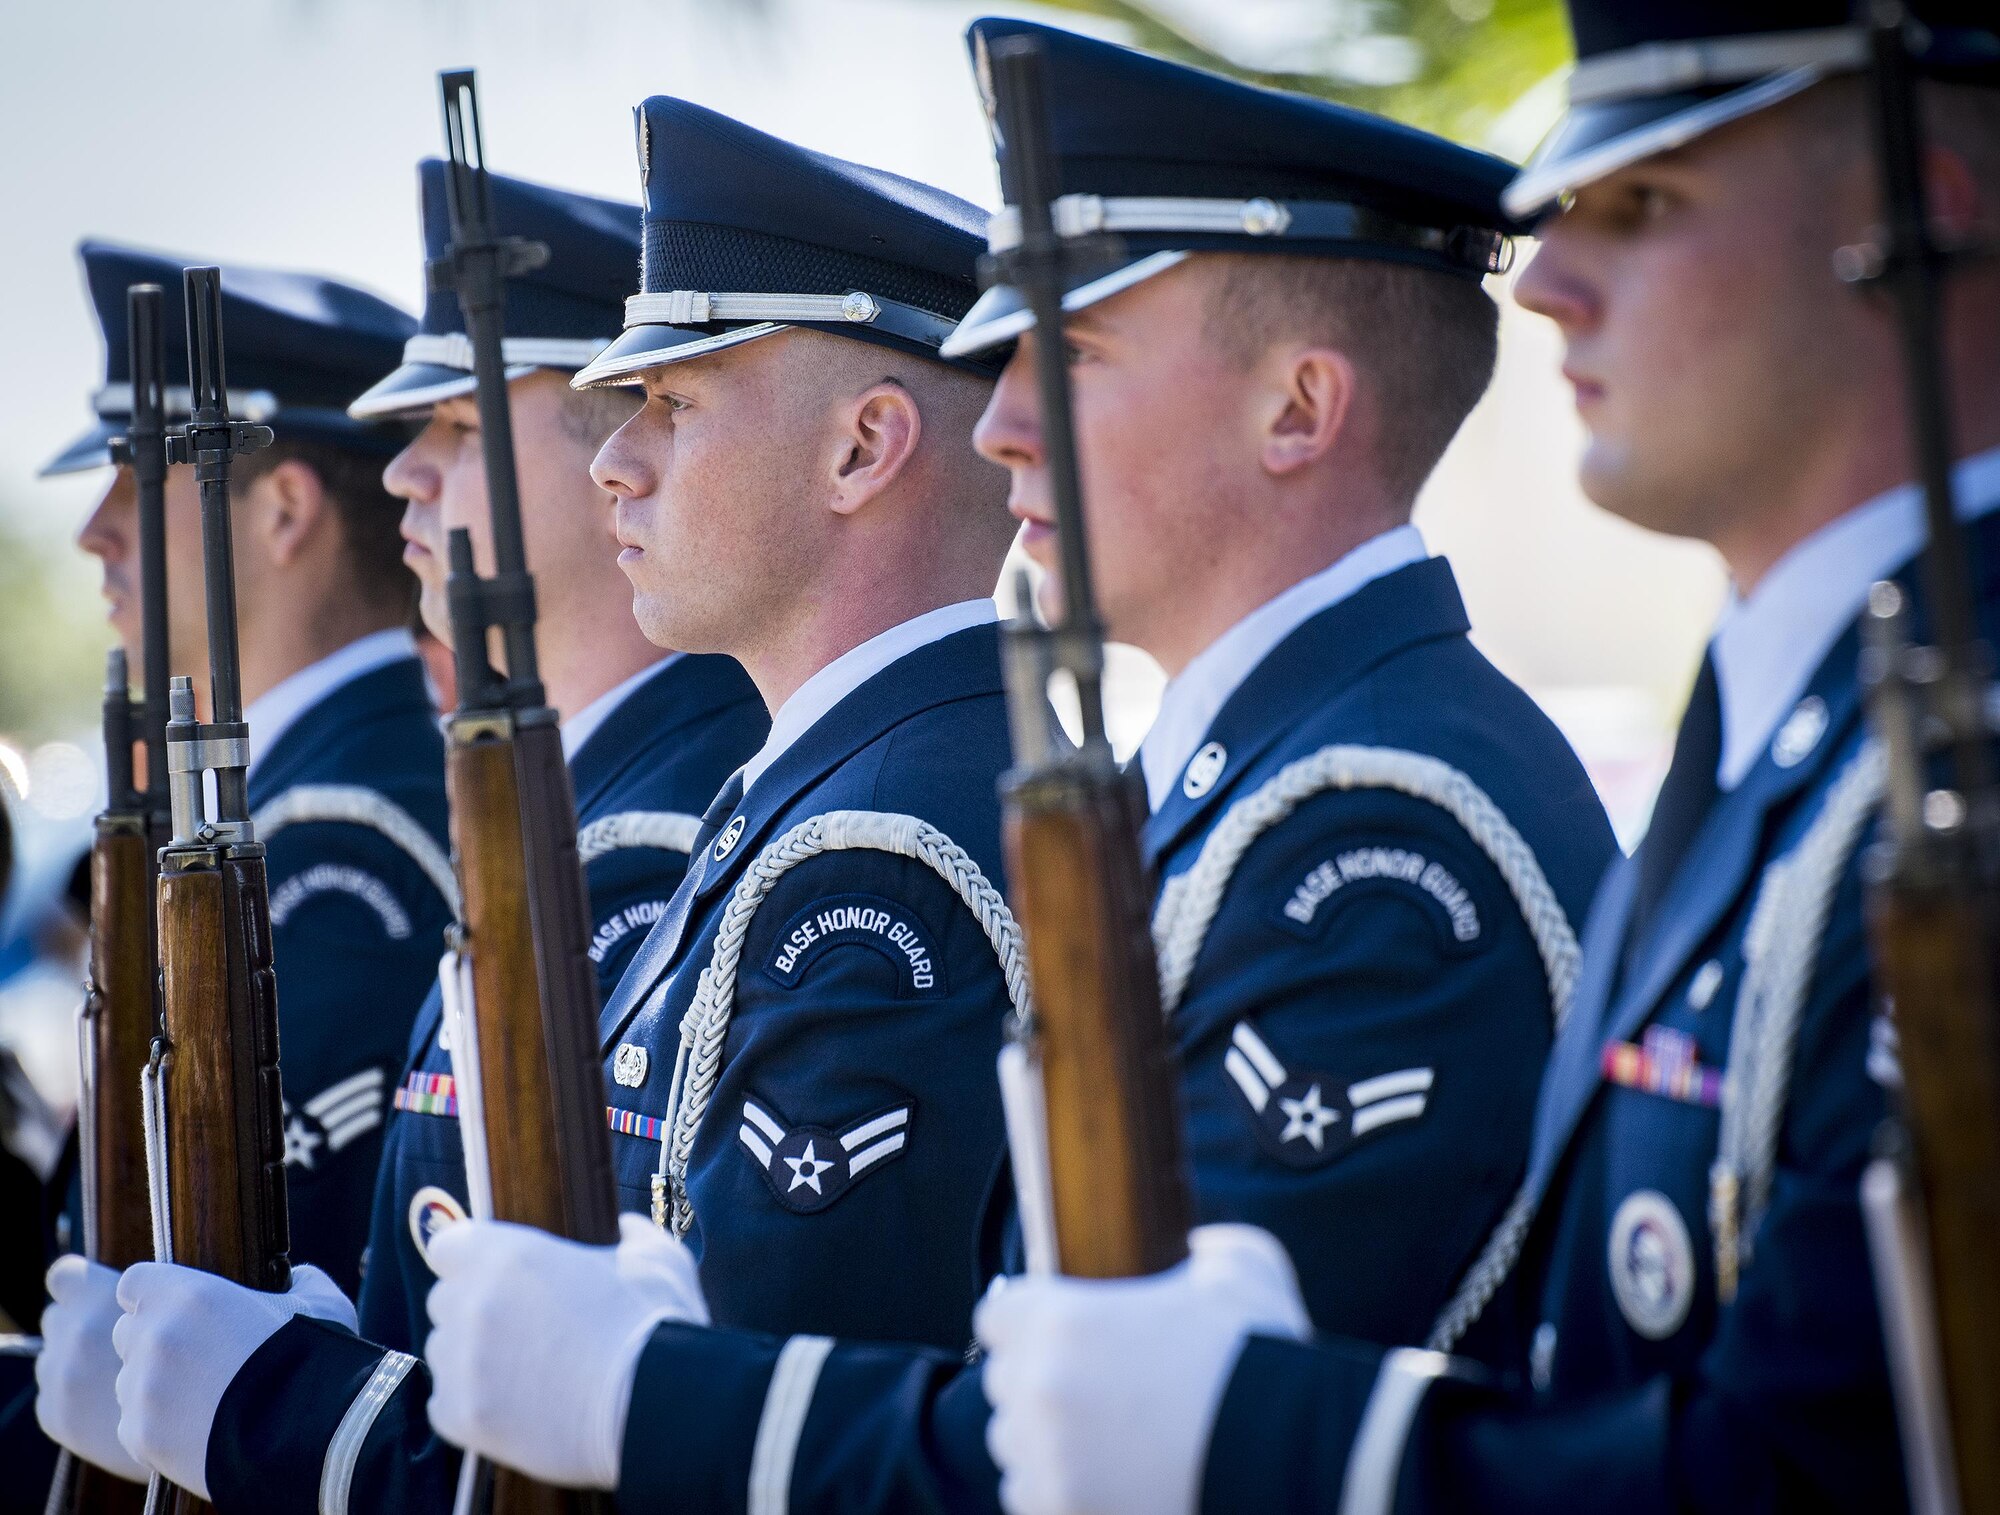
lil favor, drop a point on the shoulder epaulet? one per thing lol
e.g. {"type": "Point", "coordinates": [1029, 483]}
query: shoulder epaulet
{"type": "Point", "coordinates": [664, 830]}
{"type": "Point", "coordinates": [1189, 902]}
{"type": "Point", "coordinates": [357, 805]}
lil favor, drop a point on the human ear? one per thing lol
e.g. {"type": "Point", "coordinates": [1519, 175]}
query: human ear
{"type": "Point", "coordinates": [287, 505]}
{"type": "Point", "coordinates": [880, 433]}
{"type": "Point", "coordinates": [1311, 396]}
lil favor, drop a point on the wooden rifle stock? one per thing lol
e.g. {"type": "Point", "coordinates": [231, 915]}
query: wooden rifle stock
{"type": "Point", "coordinates": [121, 1000]}
{"type": "Point", "coordinates": [115, 1038]}
{"type": "Point", "coordinates": [531, 1093]}
{"type": "Point", "coordinates": [1101, 1077]}
{"type": "Point", "coordinates": [1110, 1079]}
{"type": "Point", "coordinates": [1934, 923]}
{"type": "Point", "coordinates": [1932, 1202]}
{"type": "Point", "coordinates": [219, 1108]}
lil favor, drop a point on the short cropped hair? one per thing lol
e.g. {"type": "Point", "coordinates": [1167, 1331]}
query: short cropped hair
{"type": "Point", "coordinates": [1424, 341]}
{"type": "Point", "coordinates": [367, 513]}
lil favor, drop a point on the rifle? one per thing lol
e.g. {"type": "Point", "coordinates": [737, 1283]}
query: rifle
{"type": "Point", "coordinates": [120, 1012]}
{"type": "Point", "coordinates": [1092, 1085]}
{"type": "Point", "coordinates": [1932, 1197]}
{"type": "Point", "coordinates": [215, 1115]}
{"type": "Point", "coordinates": [520, 994]}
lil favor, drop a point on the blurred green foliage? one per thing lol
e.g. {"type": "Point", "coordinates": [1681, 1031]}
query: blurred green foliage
{"type": "Point", "coordinates": [53, 634]}
{"type": "Point", "coordinates": [1449, 66]}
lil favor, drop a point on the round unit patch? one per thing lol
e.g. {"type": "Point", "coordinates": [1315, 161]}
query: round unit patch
{"type": "Point", "coordinates": [431, 1210]}
{"type": "Point", "coordinates": [1652, 1264]}
{"type": "Point", "coordinates": [1203, 769]}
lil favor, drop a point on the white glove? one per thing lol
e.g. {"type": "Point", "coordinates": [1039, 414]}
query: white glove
{"type": "Point", "coordinates": [184, 1335]}
{"type": "Point", "coordinates": [76, 1376]}
{"type": "Point", "coordinates": [537, 1339]}
{"type": "Point", "coordinates": [1104, 1391]}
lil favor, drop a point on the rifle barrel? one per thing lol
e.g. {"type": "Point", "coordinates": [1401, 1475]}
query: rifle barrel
{"type": "Point", "coordinates": [1037, 271]}
{"type": "Point", "coordinates": [146, 448]}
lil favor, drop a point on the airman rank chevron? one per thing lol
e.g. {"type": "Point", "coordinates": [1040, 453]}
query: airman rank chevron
{"type": "Point", "coordinates": [809, 1167]}
{"type": "Point", "coordinates": [332, 1118]}
{"type": "Point", "coordinates": [866, 920]}
{"type": "Point", "coordinates": [1306, 1120]}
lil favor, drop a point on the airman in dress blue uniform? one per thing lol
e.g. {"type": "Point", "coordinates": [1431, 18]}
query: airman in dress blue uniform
{"type": "Point", "coordinates": [346, 772]}
{"type": "Point", "coordinates": [1371, 843]}
{"type": "Point", "coordinates": [346, 781]}
{"type": "Point", "coordinates": [844, 549]}
{"type": "Point", "coordinates": [1679, 1301]}
{"type": "Point", "coordinates": [649, 737]}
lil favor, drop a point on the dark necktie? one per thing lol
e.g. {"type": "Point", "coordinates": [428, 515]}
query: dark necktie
{"type": "Point", "coordinates": [1685, 800]}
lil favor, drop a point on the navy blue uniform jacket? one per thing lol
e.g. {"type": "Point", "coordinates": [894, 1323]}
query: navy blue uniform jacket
{"type": "Point", "coordinates": [1362, 1034]}
{"type": "Point", "coordinates": [1641, 1389]}
{"type": "Point", "coordinates": [666, 747]}
{"type": "Point", "coordinates": [868, 1014]}
{"type": "Point", "coordinates": [357, 924]}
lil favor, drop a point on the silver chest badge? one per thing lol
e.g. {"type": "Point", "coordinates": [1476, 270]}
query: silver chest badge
{"type": "Point", "coordinates": [1203, 769]}
{"type": "Point", "coordinates": [731, 835]}
{"type": "Point", "coordinates": [1801, 732]}
{"type": "Point", "coordinates": [1652, 1264]}
{"type": "Point", "coordinates": [628, 1065]}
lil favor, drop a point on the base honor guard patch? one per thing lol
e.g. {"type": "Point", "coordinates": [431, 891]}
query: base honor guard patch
{"type": "Point", "coordinates": [862, 920]}
{"type": "Point", "coordinates": [1308, 1119]}
{"type": "Point", "coordinates": [809, 1167]}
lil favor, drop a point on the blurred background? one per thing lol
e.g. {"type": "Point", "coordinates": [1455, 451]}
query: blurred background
{"type": "Point", "coordinates": [285, 132]}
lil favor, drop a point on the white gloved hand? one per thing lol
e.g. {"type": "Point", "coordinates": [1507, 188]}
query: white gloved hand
{"type": "Point", "coordinates": [537, 1339]}
{"type": "Point", "coordinates": [184, 1335]}
{"type": "Point", "coordinates": [76, 1376]}
{"type": "Point", "coordinates": [1104, 1391]}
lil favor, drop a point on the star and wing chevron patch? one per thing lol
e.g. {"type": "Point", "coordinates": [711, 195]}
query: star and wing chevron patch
{"type": "Point", "coordinates": [809, 1167]}
{"type": "Point", "coordinates": [1306, 1120]}
{"type": "Point", "coordinates": [335, 1116]}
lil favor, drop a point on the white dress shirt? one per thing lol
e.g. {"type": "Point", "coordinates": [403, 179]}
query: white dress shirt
{"type": "Point", "coordinates": [271, 714]}
{"type": "Point", "coordinates": [1193, 699]}
{"type": "Point", "coordinates": [581, 727]}
{"type": "Point", "coordinates": [853, 668]}
{"type": "Point", "coordinates": [1768, 645]}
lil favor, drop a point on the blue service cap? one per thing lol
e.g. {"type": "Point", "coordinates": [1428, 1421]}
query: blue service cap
{"type": "Point", "coordinates": [1653, 75]}
{"type": "Point", "coordinates": [745, 234]}
{"type": "Point", "coordinates": [1170, 160]}
{"type": "Point", "coordinates": [298, 347]}
{"type": "Point", "coordinates": [559, 316]}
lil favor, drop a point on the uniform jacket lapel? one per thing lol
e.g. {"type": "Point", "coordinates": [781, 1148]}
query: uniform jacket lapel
{"type": "Point", "coordinates": [1724, 861]}
{"type": "Point", "coordinates": [1414, 604]}
{"type": "Point", "coordinates": [963, 665]}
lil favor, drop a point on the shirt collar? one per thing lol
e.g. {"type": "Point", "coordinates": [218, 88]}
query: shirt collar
{"type": "Point", "coordinates": [853, 668]}
{"type": "Point", "coordinates": [1194, 697]}
{"type": "Point", "coordinates": [273, 711]}
{"type": "Point", "coordinates": [1768, 644]}
{"type": "Point", "coordinates": [582, 726]}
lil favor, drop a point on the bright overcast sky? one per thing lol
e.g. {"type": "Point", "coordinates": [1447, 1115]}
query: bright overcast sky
{"type": "Point", "coordinates": [286, 132]}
